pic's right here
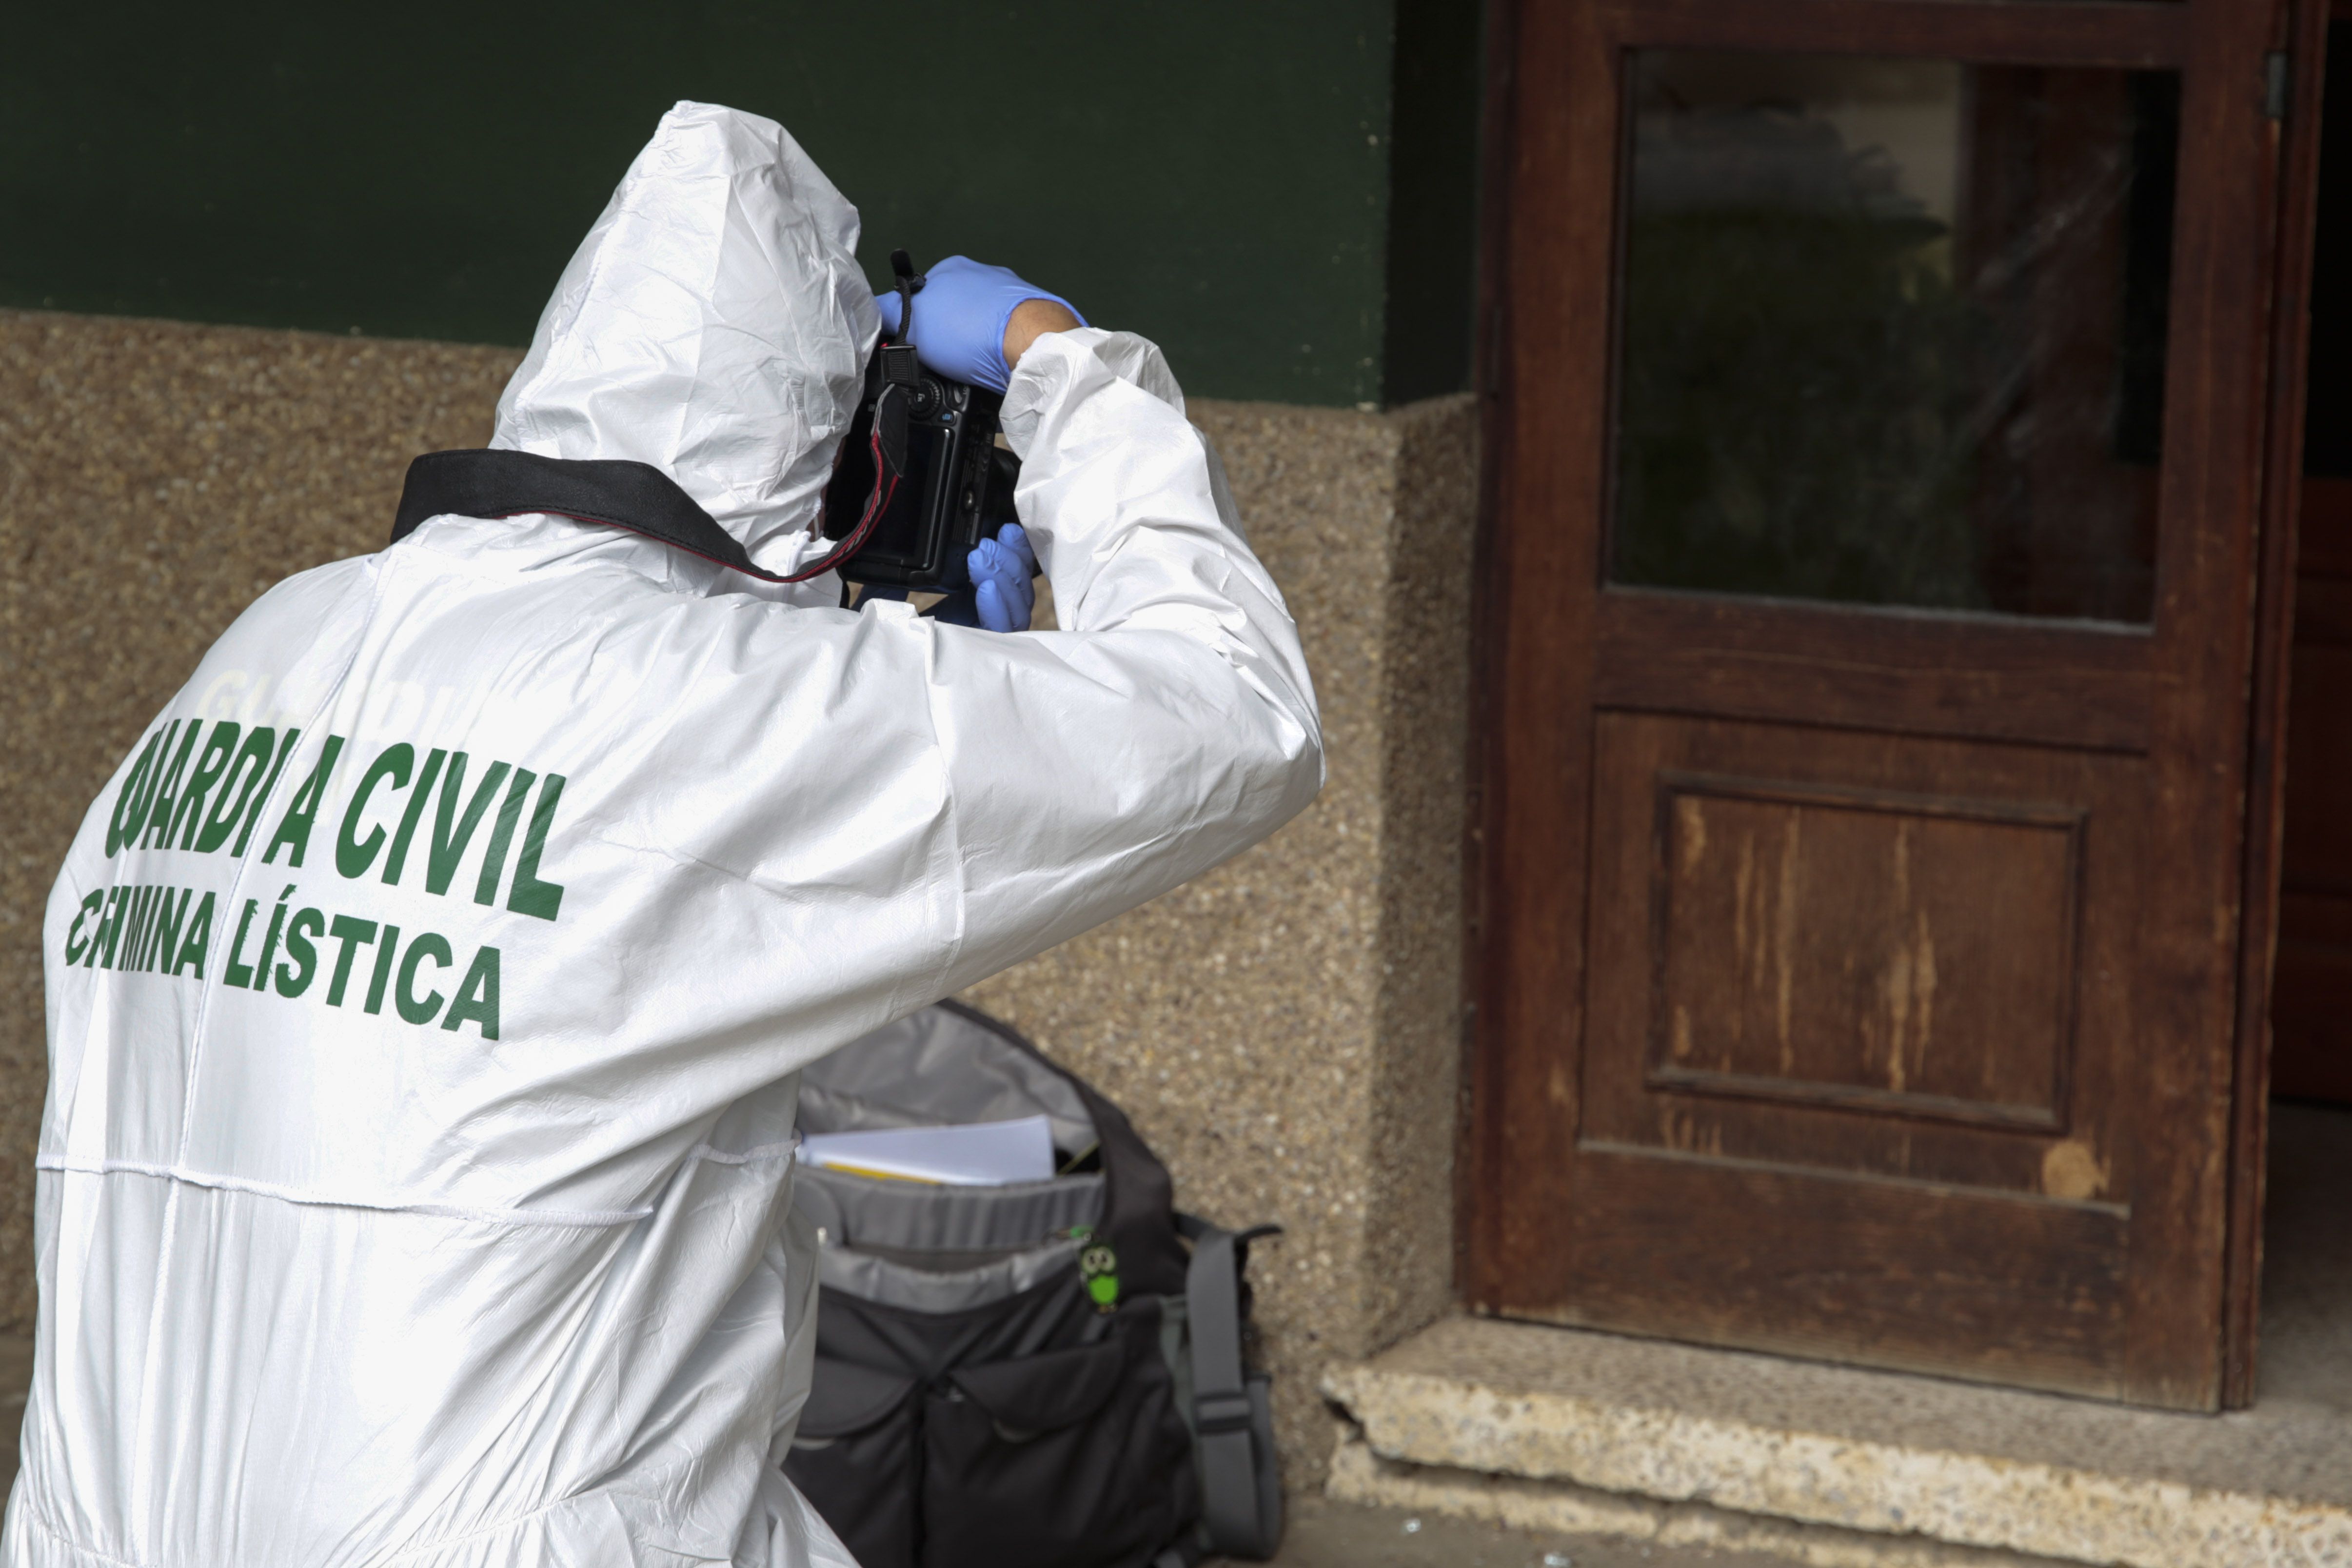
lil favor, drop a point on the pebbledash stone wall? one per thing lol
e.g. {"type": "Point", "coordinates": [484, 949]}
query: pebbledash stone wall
{"type": "Point", "coordinates": [1286, 1031]}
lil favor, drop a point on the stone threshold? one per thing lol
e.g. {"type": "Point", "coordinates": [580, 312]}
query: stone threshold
{"type": "Point", "coordinates": [1565, 1429]}
{"type": "Point", "coordinates": [1685, 1531]}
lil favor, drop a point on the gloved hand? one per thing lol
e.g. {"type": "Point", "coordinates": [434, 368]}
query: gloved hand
{"type": "Point", "coordinates": [959, 317]}
{"type": "Point", "coordinates": [1002, 596]}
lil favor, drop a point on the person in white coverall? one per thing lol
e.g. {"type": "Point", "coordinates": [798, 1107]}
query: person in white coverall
{"type": "Point", "coordinates": [426, 990]}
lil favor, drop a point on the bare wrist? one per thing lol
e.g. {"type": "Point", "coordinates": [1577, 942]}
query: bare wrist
{"type": "Point", "coordinates": [1032, 320]}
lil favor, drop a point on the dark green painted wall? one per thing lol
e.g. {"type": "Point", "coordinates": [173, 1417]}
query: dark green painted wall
{"type": "Point", "coordinates": [1432, 282]}
{"type": "Point", "coordinates": [1216, 174]}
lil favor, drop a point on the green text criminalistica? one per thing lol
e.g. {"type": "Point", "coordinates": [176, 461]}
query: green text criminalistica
{"type": "Point", "coordinates": [163, 805]}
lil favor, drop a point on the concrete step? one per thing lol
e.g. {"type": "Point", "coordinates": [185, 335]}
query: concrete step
{"type": "Point", "coordinates": [1592, 1527]}
{"type": "Point", "coordinates": [1544, 1428]}
{"type": "Point", "coordinates": [1327, 1533]}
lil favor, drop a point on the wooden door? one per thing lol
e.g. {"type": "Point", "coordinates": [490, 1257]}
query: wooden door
{"type": "Point", "coordinates": [1869, 615]}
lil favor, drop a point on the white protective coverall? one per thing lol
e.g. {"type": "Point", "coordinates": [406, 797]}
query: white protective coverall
{"type": "Point", "coordinates": [426, 991]}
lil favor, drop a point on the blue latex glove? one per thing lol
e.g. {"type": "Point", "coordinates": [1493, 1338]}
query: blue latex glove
{"type": "Point", "coordinates": [1001, 596]}
{"type": "Point", "coordinates": [960, 317]}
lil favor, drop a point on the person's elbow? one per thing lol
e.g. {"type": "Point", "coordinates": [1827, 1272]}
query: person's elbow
{"type": "Point", "coordinates": [1285, 747]}
{"type": "Point", "coordinates": [1303, 767]}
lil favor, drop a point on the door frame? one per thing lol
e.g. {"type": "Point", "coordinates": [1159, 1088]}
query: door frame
{"type": "Point", "coordinates": [1504, 954]}
{"type": "Point", "coordinates": [2301, 30]}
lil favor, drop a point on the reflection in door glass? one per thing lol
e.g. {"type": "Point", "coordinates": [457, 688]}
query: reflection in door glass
{"type": "Point", "coordinates": [1895, 331]}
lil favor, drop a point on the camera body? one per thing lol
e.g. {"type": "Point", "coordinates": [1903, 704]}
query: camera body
{"type": "Point", "coordinates": [921, 470]}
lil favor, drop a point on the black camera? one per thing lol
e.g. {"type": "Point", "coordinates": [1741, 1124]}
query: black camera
{"type": "Point", "coordinates": [920, 480]}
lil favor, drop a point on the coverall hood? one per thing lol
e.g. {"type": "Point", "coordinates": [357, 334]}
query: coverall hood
{"type": "Point", "coordinates": [715, 323]}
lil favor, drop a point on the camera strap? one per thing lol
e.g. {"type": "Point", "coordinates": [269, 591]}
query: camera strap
{"type": "Point", "coordinates": [640, 498]}
{"type": "Point", "coordinates": [618, 492]}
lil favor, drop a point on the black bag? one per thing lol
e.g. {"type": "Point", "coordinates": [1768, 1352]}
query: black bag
{"type": "Point", "coordinates": [1039, 1375]}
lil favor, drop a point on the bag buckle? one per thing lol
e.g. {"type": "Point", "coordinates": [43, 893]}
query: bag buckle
{"type": "Point", "coordinates": [1218, 1413]}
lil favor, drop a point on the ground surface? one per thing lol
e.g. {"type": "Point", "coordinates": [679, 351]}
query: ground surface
{"type": "Point", "coordinates": [1323, 1534]}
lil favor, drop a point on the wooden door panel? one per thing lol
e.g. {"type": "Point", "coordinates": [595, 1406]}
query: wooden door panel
{"type": "Point", "coordinates": [1831, 665]}
{"type": "Point", "coordinates": [1915, 1275]}
{"type": "Point", "coordinates": [1863, 950]}
{"type": "Point", "coordinates": [1835, 951]}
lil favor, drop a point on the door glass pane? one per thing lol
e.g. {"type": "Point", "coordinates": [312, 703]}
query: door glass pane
{"type": "Point", "coordinates": [1894, 332]}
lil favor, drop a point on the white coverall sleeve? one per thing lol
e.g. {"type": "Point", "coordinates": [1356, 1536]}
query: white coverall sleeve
{"type": "Point", "coordinates": [1171, 723]}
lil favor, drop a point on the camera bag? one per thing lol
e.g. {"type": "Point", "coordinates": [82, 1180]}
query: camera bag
{"type": "Point", "coordinates": [1047, 1375]}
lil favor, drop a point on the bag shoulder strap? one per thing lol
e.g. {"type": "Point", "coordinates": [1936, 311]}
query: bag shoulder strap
{"type": "Point", "coordinates": [1241, 1493]}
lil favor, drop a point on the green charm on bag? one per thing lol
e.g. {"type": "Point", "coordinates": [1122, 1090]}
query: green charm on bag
{"type": "Point", "coordinates": [1098, 1272]}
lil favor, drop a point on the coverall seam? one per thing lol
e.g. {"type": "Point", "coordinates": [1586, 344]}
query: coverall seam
{"type": "Point", "coordinates": [443, 1543]}
{"type": "Point", "coordinates": [34, 1516]}
{"type": "Point", "coordinates": [551, 1218]}
{"type": "Point", "coordinates": [567, 1219]}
